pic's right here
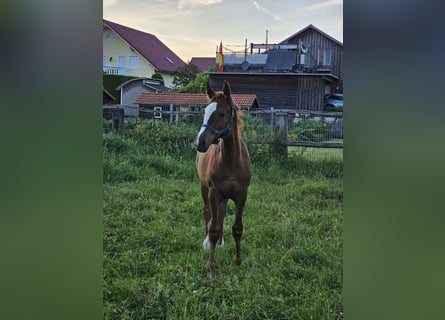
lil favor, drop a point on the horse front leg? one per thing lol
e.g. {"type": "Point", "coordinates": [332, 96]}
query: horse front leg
{"type": "Point", "coordinates": [206, 216]}
{"type": "Point", "coordinates": [214, 231]}
{"type": "Point", "coordinates": [237, 228]}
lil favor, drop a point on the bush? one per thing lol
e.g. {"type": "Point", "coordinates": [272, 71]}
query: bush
{"type": "Point", "coordinates": [159, 138]}
{"type": "Point", "coordinates": [310, 130]}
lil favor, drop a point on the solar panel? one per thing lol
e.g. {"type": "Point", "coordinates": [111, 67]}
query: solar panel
{"type": "Point", "coordinates": [280, 60]}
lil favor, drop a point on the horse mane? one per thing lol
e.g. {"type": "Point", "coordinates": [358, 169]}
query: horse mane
{"type": "Point", "coordinates": [239, 117]}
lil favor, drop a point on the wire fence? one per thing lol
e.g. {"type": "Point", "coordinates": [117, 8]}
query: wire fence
{"type": "Point", "coordinates": [316, 135]}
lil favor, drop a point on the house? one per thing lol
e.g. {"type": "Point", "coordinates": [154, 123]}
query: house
{"type": "Point", "coordinates": [204, 63]}
{"type": "Point", "coordinates": [293, 74]}
{"type": "Point", "coordinates": [131, 52]}
{"type": "Point", "coordinates": [131, 89]}
{"type": "Point", "coordinates": [156, 104]}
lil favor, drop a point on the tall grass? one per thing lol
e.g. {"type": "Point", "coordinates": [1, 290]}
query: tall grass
{"type": "Point", "coordinates": [154, 264]}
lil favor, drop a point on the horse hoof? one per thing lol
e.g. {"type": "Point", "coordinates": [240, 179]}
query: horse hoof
{"type": "Point", "coordinates": [237, 261]}
{"type": "Point", "coordinates": [210, 271]}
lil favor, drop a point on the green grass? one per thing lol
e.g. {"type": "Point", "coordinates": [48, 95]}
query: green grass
{"type": "Point", "coordinates": [154, 264]}
{"type": "Point", "coordinates": [318, 154]}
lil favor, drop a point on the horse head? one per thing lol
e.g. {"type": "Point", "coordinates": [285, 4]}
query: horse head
{"type": "Point", "coordinates": [219, 116]}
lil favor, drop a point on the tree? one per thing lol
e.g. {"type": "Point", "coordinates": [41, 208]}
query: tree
{"type": "Point", "coordinates": [159, 77]}
{"type": "Point", "coordinates": [185, 74]}
{"type": "Point", "coordinates": [197, 85]}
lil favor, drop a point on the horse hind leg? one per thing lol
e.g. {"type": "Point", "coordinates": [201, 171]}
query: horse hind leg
{"type": "Point", "coordinates": [237, 227]}
{"type": "Point", "coordinates": [214, 230]}
{"type": "Point", "coordinates": [221, 215]}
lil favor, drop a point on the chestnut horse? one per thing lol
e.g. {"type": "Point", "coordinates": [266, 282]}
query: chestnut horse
{"type": "Point", "coordinates": [224, 169]}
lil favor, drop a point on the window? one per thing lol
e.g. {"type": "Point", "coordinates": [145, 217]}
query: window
{"type": "Point", "coordinates": [121, 61]}
{"type": "Point", "coordinates": [133, 62]}
{"type": "Point", "coordinates": [324, 57]}
{"type": "Point", "coordinates": [157, 112]}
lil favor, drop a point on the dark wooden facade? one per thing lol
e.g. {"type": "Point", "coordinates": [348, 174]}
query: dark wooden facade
{"type": "Point", "coordinates": [279, 90]}
{"type": "Point", "coordinates": [316, 42]}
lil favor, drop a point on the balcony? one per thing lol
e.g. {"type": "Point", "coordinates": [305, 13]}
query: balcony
{"type": "Point", "coordinates": [115, 70]}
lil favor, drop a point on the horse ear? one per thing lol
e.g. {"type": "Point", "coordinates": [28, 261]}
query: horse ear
{"type": "Point", "coordinates": [226, 89]}
{"type": "Point", "coordinates": [209, 91]}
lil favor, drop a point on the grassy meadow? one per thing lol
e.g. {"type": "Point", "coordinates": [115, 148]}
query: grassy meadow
{"type": "Point", "coordinates": [154, 263]}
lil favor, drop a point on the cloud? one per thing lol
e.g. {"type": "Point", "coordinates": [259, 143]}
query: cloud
{"type": "Point", "coordinates": [110, 3]}
{"type": "Point", "coordinates": [265, 10]}
{"type": "Point", "coordinates": [194, 3]}
{"type": "Point", "coordinates": [324, 5]}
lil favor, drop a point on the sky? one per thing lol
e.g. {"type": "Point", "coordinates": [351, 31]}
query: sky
{"type": "Point", "coordinates": [194, 28]}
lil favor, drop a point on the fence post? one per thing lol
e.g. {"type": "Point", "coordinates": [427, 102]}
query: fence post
{"type": "Point", "coordinates": [271, 121]}
{"type": "Point", "coordinates": [171, 114]}
{"type": "Point", "coordinates": [281, 124]}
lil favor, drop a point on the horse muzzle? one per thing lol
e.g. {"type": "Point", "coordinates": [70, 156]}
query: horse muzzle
{"type": "Point", "coordinates": [207, 136]}
{"type": "Point", "coordinates": [201, 146]}
{"type": "Point", "coordinates": [203, 142]}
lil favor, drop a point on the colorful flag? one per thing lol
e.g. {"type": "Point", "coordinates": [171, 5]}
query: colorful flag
{"type": "Point", "coordinates": [220, 58]}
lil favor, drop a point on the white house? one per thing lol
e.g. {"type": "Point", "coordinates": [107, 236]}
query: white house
{"type": "Point", "coordinates": [131, 52]}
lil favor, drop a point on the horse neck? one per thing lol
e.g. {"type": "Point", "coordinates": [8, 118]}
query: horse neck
{"type": "Point", "coordinates": [230, 147]}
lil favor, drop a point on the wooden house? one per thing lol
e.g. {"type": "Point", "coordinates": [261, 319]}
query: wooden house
{"type": "Point", "coordinates": [131, 52]}
{"type": "Point", "coordinates": [293, 74]}
{"type": "Point", "coordinates": [323, 53]}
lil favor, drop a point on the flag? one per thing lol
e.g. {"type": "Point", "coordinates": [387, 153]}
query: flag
{"type": "Point", "coordinates": [220, 58]}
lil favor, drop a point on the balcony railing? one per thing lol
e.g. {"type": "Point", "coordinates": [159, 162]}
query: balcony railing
{"type": "Point", "coordinates": [240, 58]}
{"type": "Point", "coordinates": [115, 70]}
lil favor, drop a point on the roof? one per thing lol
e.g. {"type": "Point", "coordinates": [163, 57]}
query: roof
{"type": "Point", "coordinates": [311, 26]}
{"type": "Point", "coordinates": [274, 74]}
{"type": "Point", "coordinates": [204, 63]}
{"type": "Point", "coordinates": [149, 82]}
{"type": "Point", "coordinates": [243, 100]}
{"type": "Point", "coordinates": [148, 46]}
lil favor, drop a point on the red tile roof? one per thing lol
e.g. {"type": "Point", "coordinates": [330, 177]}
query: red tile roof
{"type": "Point", "coordinates": [204, 63]}
{"type": "Point", "coordinates": [148, 46]}
{"type": "Point", "coordinates": [243, 100]}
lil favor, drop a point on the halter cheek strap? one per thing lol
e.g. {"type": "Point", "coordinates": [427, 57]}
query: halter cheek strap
{"type": "Point", "coordinates": [224, 133]}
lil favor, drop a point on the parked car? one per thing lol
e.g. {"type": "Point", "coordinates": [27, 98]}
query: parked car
{"type": "Point", "coordinates": [333, 102]}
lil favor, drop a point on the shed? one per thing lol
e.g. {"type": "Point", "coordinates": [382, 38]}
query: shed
{"type": "Point", "coordinates": [132, 88]}
{"type": "Point", "coordinates": [150, 102]}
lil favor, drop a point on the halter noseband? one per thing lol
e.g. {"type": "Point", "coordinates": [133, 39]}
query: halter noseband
{"type": "Point", "coordinates": [224, 133]}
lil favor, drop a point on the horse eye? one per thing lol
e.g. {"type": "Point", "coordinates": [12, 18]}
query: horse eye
{"type": "Point", "coordinates": [222, 115]}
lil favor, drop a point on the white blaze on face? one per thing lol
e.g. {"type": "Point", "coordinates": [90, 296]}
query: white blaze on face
{"type": "Point", "coordinates": [208, 111]}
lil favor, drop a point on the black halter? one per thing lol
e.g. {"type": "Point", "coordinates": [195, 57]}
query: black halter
{"type": "Point", "coordinates": [224, 133]}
